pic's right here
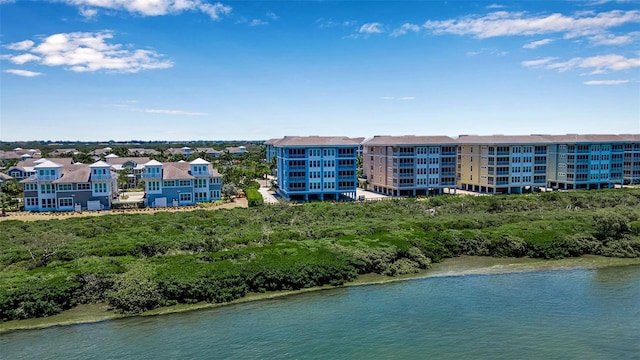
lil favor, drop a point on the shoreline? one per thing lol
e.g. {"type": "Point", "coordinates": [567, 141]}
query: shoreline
{"type": "Point", "coordinates": [460, 266]}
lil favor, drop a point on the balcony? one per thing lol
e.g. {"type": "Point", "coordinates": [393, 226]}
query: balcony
{"type": "Point", "coordinates": [501, 163]}
{"type": "Point", "coordinates": [353, 155]}
{"type": "Point", "coordinates": [297, 167]}
{"type": "Point", "coordinates": [503, 153]}
{"type": "Point", "coordinates": [502, 172]}
{"type": "Point", "coordinates": [201, 173]}
{"type": "Point", "coordinates": [100, 176]}
{"type": "Point", "coordinates": [47, 177]}
{"type": "Point", "coordinates": [448, 163]}
{"type": "Point", "coordinates": [152, 175]}
{"type": "Point", "coordinates": [407, 165]}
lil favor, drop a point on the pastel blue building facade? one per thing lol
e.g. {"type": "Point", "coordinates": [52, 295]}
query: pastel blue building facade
{"type": "Point", "coordinates": [57, 187]}
{"type": "Point", "coordinates": [586, 161]}
{"type": "Point", "coordinates": [180, 183]}
{"type": "Point", "coordinates": [316, 168]}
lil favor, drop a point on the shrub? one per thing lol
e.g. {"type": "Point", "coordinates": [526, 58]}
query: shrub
{"type": "Point", "coordinates": [134, 291]}
{"type": "Point", "coordinates": [254, 197]}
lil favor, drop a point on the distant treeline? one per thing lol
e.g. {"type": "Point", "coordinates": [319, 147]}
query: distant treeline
{"type": "Point", "coordinates": [143, 261]}
{"type": "Point", "coordinates": [48, 146]}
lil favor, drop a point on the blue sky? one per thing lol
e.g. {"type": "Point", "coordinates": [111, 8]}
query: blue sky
{"type": "Point", "coordinates": [95, 70]}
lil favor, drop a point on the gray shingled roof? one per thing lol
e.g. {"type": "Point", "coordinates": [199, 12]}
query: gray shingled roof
{"type": "Point", "coordinates": [317, 141]}
{"type": "Point", "coordinates": [384, 140]}
{"type": "Point", "coordinates": [74, 174]}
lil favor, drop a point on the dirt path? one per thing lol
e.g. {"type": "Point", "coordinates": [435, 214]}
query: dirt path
{"type": "Point", "coordinates": [33, 216]}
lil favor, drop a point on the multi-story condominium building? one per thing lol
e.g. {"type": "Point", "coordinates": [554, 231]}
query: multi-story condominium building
{"type": "Point", "coordinates": [180, 183]}
{"type": "Point", "coordinates": [316, 167]}
{"type": "Point", "coordinates": [58, 187]}
{"type": "Point", "coordinates": [502, 164]}
{"type": "Point", "coordinates": [409, 165]}
{"type": "Point", "coordinates": [593, 161]}
{"type": "Point", "coordinates": [631, 159]}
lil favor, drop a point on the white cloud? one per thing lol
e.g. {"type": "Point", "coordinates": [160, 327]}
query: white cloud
{"type": "Point", "coordinates": [20, 46]}
{"type": "Point", "coordinates": [600, 64]}
{"type": "Point", "coordinates": [610, 39]}
{"type": "Point", "coordinates": [25, 73]}
{"type": "Point", "coordinates": [407, 98]}
{"type": "Point", "coordinates": [151, 7]}
{"type": "Point", "coordinates": [495, 6]}
{"type": "Point", "coordinates": [22, 58]}
{"type": "Point", "coordinates": [173, 112]}
{"type": "Point", "coordinates": [535, 44]}
{"type": "Point", "coordinates": [257, 22]}
{"type": "Point", "coordinates": [89, 52]}
{"type": "Point", "coordinates": [405, 28]}
{"type": "Point", "coordinates": [273, 16]}
{"type": "Point", "coordinates": [606, 82]}
{"type": "Point", "coordinates": [323, 23]}
{"type": "Point", "coordinates": [371, 28]}
{"type": "Point", "coordinates": [387, 98]}
{"type": "Point", "coordinates": [503, 23]}
{"type": "Point", "coordinates": [88, 13]}
{"type": "Point", "coordinates": [538, 62]}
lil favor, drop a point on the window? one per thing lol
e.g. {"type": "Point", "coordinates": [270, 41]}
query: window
{"type": "Point", "coordinates": [84, 186]}
{"type": "Point", "coordinates": [184, 183]}
{"type": "Point", "coordinates": [30, 187]}
{"type": "Point", "coordinates": [185, 196]}
{"type": "Point", "coordinates": [64, 187]}
{"type": "Point", "coordinates": [65, 202]}
{"type": "Point", "coordinates": [152, 185]}
{"type": "Point", "coordinates": [31, 201]}
{"type": "Point", "coordinates": [329, 152]}
{"type": "Point", "coordinates": [102, 187]}
{"type": "Point", "coordinates": [169, 183]}
{"type": "Point", "coordinates": [48, 203]}
{"type": "Point", "coordinates": [215, 194]}
{"type": "Point", "coordinates": [46, 189]}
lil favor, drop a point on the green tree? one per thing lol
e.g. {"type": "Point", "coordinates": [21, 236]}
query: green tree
{"type": "Point", "coordinates": [123, 177]}
{"type": "Point", "coordinates": [229, 190]}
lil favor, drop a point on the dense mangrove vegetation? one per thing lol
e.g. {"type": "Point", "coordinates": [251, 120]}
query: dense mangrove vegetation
{"type": "Point", "coordinates": [136, 262]}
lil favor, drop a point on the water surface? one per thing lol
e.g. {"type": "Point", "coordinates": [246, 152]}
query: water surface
{"type": "Point", "coordinates": [569, 314]}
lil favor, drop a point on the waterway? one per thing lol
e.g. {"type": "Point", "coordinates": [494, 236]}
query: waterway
{"type": "Point", "coordinates": [554, 314]}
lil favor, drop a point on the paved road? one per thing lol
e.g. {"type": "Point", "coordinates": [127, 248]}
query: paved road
{"type": "Point", "coordinates": [268, 196]}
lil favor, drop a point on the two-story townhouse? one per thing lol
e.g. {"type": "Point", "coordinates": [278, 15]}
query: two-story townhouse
{"type": "Point", "coordinates": [181, 183]}
{"type": "Point", "coordinates": [57, 187]}
{"type": "Point", "coordinates": [502, 163]}
{"type": "Point", "coordinates": [409, 165]}
{"type": "Point", "coordinates": [316, 167]}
